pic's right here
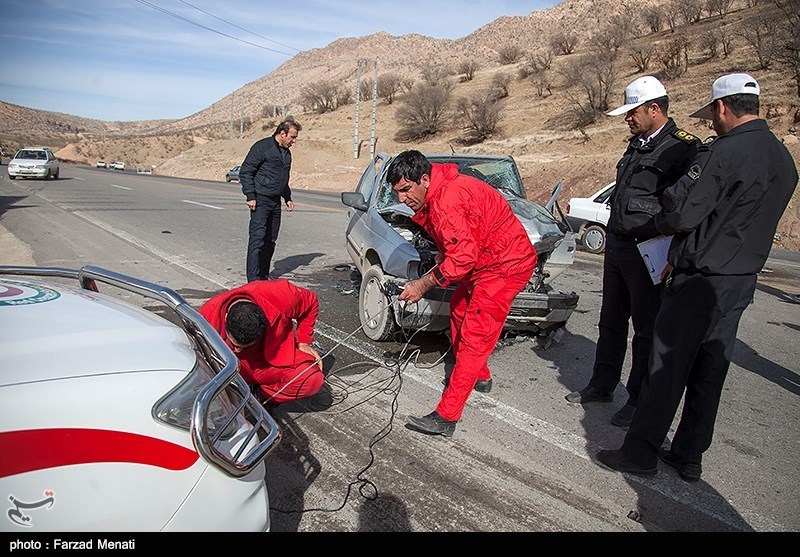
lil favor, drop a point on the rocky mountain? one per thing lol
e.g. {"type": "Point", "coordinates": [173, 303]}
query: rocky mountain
{"type": "Point", "coordinates": [538, 126]}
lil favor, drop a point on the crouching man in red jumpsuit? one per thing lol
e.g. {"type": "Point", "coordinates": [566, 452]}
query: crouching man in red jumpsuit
{"type": "Point", "coordinates": [255, 321]}
{"type": "Point", "coordinates": [484, 248]}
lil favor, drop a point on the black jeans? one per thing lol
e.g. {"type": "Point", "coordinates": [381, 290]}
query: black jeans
{"type": "Point", "coordinates": [265, 223]}
{"type": "Point", "coordinates": [628, 295]}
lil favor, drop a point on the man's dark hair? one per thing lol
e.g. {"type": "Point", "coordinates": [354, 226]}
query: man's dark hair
{"type": "Point", "coordinates": [410, 165]}
{"type": "Point", "coordinates": [287, 125]}
{"type": "Point", "coordinates": [663, 104]}
{"type": "Point", "coordinates": [245, 322]}
{"type": "Point", "coordinates": [741, 104]}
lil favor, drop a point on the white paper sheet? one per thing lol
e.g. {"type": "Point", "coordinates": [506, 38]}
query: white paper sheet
{"type": "Point", "coordinates": [654, 253]}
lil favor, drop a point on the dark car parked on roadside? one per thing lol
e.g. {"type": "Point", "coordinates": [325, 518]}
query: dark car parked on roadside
{"type": "Point", "coordinates": [233, 174]}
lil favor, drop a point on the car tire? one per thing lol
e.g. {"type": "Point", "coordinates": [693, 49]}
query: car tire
{"type": "Point", "coordinates": [55, 176]}
{"type": "Point", "coordinates": [374, 307]}
{"type": "Point", "coordinates": [12, 177]}
{"type": "Point", "coordinates": [594, 238]}
{"type": "Point", "coordinates": [228, 180]}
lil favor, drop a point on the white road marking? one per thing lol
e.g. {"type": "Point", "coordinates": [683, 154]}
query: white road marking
{"type": "Point", "coordinates": [202, 204]}
{"type": "Point", "coordinates": [120, 187]}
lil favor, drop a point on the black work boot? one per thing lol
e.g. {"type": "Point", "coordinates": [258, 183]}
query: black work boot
{"type": "Point", "coordinates": [432, 424]}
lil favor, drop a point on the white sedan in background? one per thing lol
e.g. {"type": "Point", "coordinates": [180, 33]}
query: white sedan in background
{"type": "Point", "coordinates": [113, 418]}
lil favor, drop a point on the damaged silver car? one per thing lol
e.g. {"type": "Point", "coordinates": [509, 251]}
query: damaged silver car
{"type": "Point", "coordinates": [388, 249]}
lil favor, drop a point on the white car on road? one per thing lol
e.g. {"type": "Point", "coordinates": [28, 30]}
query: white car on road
{"type": "Point", "coordinates": [113, 418]}
{"type": "Point", "coordinates": [588, 217]}
{"type": "Point", "coordinates": [34, 162]}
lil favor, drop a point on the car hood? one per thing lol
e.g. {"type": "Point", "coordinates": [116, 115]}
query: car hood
{"type": "Point", "coordinates": [50, 331]}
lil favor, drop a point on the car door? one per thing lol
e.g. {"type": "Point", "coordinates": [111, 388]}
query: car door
{"type": "Point", "coordinates": [357, 234]}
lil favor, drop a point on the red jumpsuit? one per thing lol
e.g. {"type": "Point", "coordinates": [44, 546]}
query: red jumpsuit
{"type": "Point", "coordinates": [283, 372]}
{"type": "Point", "coordinates": [488, 253]}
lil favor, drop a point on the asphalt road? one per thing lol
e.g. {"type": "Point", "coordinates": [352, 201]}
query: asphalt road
{"type": "Point", "coordinates": [522, 457]}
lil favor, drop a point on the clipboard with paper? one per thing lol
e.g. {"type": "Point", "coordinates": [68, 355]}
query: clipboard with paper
{"type": "Point", "coordinates": [654, 254]}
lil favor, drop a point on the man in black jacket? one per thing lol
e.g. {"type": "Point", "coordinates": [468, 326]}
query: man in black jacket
{"type": "Point", "coordinates": [723, 214]}
{"type": "Point", "coordinates": [264, 178]}
{"type": "Point", "coordinates": [658, 154]}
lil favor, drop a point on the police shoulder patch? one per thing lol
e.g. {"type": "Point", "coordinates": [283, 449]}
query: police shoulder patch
{"type": "Point", "coordinates": [685, 136]}
{"type": "Point", "coordinates": [694, 171]}
{"type": "Point", "coordinates": [710, 139]}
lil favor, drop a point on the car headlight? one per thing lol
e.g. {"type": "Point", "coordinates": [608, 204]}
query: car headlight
{"type": "Point", "coordinates": [175, 408]}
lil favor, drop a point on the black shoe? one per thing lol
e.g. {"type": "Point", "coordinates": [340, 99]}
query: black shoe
{"type": "Point", "coordinates": [589, 394]}
{"type": "Point", "coordinates": [617, 461]}
{"type": "Point", "coordinates": [688, 471]}
{"type": "Point", "coordinates": [624, 416]}
{"type": "Point", "coordinates": [433, 424]}
{"type": "Point", "coordinates": [482, 386]}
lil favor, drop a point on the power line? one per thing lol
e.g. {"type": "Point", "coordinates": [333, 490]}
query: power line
{"type": "Point", "coordinates": [177, 16]}
{"type": "Point", "coordinates": [234, 25]}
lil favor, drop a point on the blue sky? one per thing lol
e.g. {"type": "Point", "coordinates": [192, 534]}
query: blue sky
{"type": "Point", "coordinates": [149, 59]}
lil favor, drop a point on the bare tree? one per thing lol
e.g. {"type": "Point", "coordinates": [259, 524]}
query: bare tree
{"type": "Point", "coordinates": [480, 115]}
{"type": "Point", "coordinates": [718, 7]}
{"type": "Point", "coordinates": [407, 84]}
{"type": "Point", "coordinates": [641, 55]}
{"type": "Point", "coordinates": [468, 69]}
{"type": "Point", "coordinates": [389, 85]}
{"type": "Point", "coordinates": [760, 34]}
{"type": "Point", "coordinates": [500, 83]}
{"type": "Point", "coordinates": [509, 54]}
{"type": "Point", "coordinates": [590, 81]}
{"type": "Point", "coordinates": [725, 39]}
{"type": "Point", "coordinates": [691, 11]}
{"type": "Point", "coordinates": [709, 42]}
{"type": "Point", "coordinates": [786, 46]}
{"type": "Point", "coordinates": [673, 55]}
{"type": "Point", "coordinates": [564, 42]}
{"type": "Point", "coordinates": [654, 18]}
{"type": "Point", "coordinates": [435, 74]}
{"type": "Point", "coordinates": [536, 62]}
{"type": "Point", "coordinates": [610, 37]}
{"type": "Point", "coordinates": [322, 96]}
{"type": "Point", "coordinates": [425, 111]}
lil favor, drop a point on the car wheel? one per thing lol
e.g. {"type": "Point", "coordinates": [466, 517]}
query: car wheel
{"type": "Point", "coordinates": [227, 180]}
{"type": "Point", "coordinates": [12, 177]}
{"type": "Point", "coordinates": [594, 238]}
{"type": "Point", "coordinates": [374, 307]}
{"type": "Point", "coordinates": [55, 176]}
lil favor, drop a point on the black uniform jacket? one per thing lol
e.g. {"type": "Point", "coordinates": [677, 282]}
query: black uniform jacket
{"type": "Point", "coordinates": [265, 171]}
{"type": "Point", "coordinates": [643, 173]}
{"type": "Point", "coordinates": [725, 210]}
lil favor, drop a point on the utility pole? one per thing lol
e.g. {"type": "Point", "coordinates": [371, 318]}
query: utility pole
{"type": "Point", "coordinates": [230, 128]}
{"type": "Point", "coordinates": [283, 98]}
{"type": "Point", "coordinates": [358, 104]}
{"type": "Point", "coordinates": [241, 121]}
{"type": "Point", "coordinates": [374, 112]}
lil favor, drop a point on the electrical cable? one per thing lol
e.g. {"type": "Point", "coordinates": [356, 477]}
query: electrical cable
{"type": "Point", "coordinates": [391, 385]}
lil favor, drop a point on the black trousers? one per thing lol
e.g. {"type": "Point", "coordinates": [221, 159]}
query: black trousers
{"type": "Point", "coordinates": [265, 223]}
{"type": "Point", "coordinates": [695, 333]}
{"type": "Point", "coordinates": [628, 295]}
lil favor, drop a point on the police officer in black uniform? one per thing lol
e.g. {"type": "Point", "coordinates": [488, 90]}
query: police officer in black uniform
{"type": "Point", "coordinates": [658, 155]}
{"type": "Point", "coordinates": [723, 214]}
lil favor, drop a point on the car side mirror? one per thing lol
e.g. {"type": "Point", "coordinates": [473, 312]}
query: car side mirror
{"type": "Point", "coordinates": [355, 200]}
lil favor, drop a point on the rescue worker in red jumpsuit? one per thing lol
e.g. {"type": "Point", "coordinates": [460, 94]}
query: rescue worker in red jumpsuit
{"type": "Point", "coordinates": [483, 248]}
{"type": "Point", "coordinates": [255, 321]}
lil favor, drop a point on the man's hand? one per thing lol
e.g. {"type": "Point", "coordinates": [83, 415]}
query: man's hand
{"type": "Point", "coordinates": [413, 290]}
{"type": "Point", "coordinates": [290, 206]}
{"type": "Point", "coordinates": [303, 347]}
{"type": "Point", "coordinates": [666, 271]}
{"type": "Point", "coordinates": [252, 204]}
